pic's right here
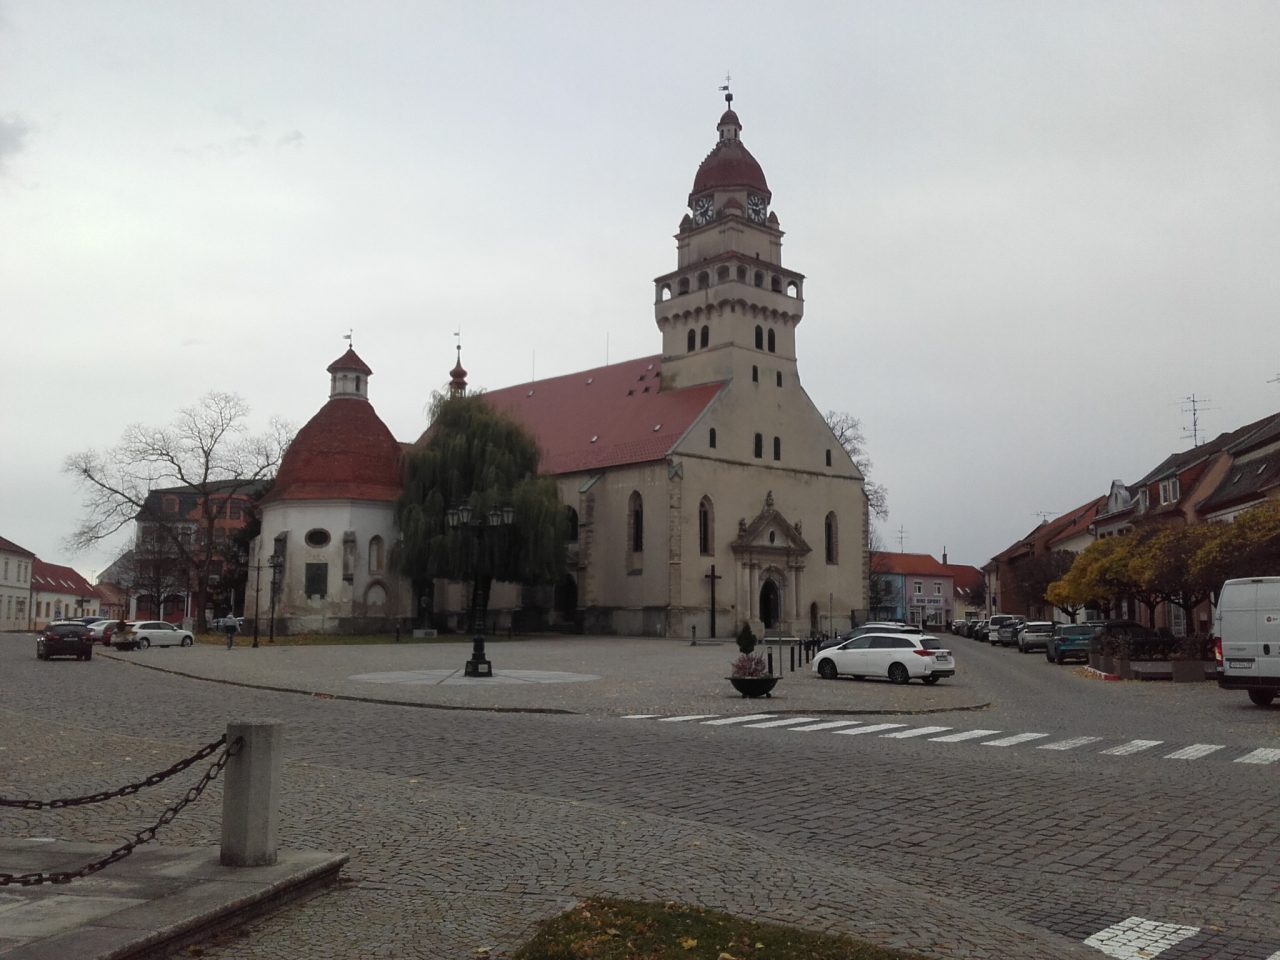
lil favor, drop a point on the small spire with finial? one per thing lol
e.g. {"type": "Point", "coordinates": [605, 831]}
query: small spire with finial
{"type": "Point", "coordinates": [728, 97]}
{"type": "Point", "coordinates": [347, 337]}
{"type": "Point", "coordinates": [458, 375]}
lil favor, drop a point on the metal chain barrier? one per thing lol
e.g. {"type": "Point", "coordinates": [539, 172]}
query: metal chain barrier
{"type": "Point", "coordinates": [142, 836]}
{"type": "Point", "coordinates": [125, 791]}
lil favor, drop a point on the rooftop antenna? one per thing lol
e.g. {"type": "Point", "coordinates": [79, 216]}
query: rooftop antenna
{"type": "Point", "coordinates": [1193, 405]}
{"type": "Point", "coordinates": [902, 536]}
{"type": "Point", "coordinates": [1044, 515]}
{"type": "Point", "coordinates": [724, 88]}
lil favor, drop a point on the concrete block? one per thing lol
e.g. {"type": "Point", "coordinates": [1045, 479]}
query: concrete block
{"type": "Point", "coordinates": [251, 796]}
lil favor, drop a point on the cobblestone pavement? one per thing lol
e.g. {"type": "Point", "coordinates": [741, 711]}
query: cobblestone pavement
{"type": "Point", "coordinates": [466, 828]}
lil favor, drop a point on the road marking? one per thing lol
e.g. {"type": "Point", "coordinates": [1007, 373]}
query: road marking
{"type": "Point", "coordinates": [917, 732]}
{"type": "Point", "coordinates": [966, 735]}
{"type": "Point", "coordinates": [873, 728]}
{"type": "Point", "coordinates": [747, 719]}
{"type": "Point", "coordinates": [789, 721]}
{"type": "Point", "coordinates": [1069, 744]}
{"type": "Point", "coordinates": [1139, 939]}
{"type": "Point", "coordinates": [829, 725]}
{"type": "Point", "coordinates": [1194, 752]}
{"type": "Point", "coordinates": [1015, 739]}
{"type": "Point", "coordinates": [692, 716]}
{"type": "Point", "coordinates": [1133, 746]}
{"type": "Point", "coordinates": [641, 716]}
{"type": "Point", "coordinates": [1261, 755]}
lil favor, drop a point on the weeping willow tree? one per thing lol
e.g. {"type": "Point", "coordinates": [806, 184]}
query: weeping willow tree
{"type": "Point", "coordinates": [477, 457]}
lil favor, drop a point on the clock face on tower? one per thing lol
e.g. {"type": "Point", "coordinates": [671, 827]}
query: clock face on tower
{"type": "Point", "coordinates": [756, 208]}
{"type": "Point", "coordinates": [703, 211]}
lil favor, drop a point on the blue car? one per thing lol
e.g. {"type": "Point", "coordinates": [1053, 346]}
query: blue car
{"type": "Point", "coordinates": [1069, 640]}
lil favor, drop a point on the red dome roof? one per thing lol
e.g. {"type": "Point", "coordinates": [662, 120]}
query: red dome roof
{"type": "Point", "coordinates": [350, 361]}
{"type": "Point", "coordinates": [729, 165]}
{"type": "Point", "coordinates": [345, 452]}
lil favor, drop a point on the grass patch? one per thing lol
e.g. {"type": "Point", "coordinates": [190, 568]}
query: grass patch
{"type": "Point", "coordinates": [608, 929]}
{"type": "Point", "coordinates": [337, 639]}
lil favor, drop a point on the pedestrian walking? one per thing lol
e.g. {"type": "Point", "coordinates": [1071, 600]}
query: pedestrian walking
{"type": "Point", "coordinates": [229, 626]}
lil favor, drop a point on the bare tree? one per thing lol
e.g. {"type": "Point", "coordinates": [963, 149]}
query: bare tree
{"type": "Point", "coordinates": [848, 432]}
{"type": "Point", "coordinates": [206, 451]}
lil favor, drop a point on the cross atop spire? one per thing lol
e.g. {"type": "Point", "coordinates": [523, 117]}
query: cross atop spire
{"type": "Point", "coordinates": [728, 97]}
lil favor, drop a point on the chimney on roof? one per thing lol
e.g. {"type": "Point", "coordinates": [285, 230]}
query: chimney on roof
{"type": "Point", "coordinates": [944, 556]}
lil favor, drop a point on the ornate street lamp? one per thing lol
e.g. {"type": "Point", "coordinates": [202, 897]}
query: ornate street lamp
{"type": "Point", "coordinates": [459, 518]}
{"type": "Point", "coordinates": [276, 562]}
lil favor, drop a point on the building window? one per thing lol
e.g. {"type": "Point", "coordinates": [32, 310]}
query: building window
{"type": "Point", "coordinates": [759, 445]}
{"type": "Point", "coordinates": [917, 587]}
{"type": "Point", "coordinates": [706, 335]}
{"type": "Point", "coordinates": [317, 580]}
{"type": "Point", "coordinates": [711, 439]}
{"type": "Point", "coordinates": [572, 517]}
{"type": "Point", "coordinates": [777, 448]}
{"type": "Point", "coordinates": [706, 530]}
{"type": "Point", "coordinates": [704, 280]}
{"type": "Point", "coordinates": [755, 374]}
{"type": "Point", "coordinates": [828, 458]}
{"type": "Point", "coordinates": [831, 537]}
{"type": "Point", "coordinates": [937, 589]}
{"type": "Point", "coordinates": [759, 338]}
{"type": "Point", "coordinates": [1169, 490]}
{"type": "Point", "coordinates": [636, 521]}
{"type": "Point", "coordinates": [376, 554]}
{"type": "Point", "coordinates": [317, 538]}
{"type": "Point", "coordinates": [692, 342]}
{"type": "Point", "coordinates": [779, 378]}
{"type": "Point", "coordinates": [772, 342]}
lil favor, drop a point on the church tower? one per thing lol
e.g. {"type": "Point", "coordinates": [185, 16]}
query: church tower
{"type": "Point", "coordinates": [730, 307]}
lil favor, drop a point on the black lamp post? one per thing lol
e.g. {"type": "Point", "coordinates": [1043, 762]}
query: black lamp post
{"type": "Point", "coordinates": [276, 562]}
{"type": "Point", "coordinates": [459, 518]}
{"type": "Point", "coordinates": [257, 594]}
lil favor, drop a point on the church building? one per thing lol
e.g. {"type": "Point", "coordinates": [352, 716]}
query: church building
{"type": "Point", "coordinates": [705, 489]}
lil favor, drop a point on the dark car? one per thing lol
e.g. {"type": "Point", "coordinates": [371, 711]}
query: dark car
{"type": "Point", "coordinates": [65, 638]}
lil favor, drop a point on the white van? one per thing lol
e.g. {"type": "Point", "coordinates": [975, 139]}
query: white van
{"type": "Point", "coordinates": [1248, 638]}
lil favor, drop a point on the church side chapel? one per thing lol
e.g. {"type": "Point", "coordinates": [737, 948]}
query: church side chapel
{"type": "Point", "coordinates": [704, 488]}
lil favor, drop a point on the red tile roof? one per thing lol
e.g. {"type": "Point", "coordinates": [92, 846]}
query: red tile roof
{"type": "Point", "coordinates": [913, 564]}
{"type": "Point", "coordinates": [1077, 521]}
{"type": "Point", "coordinates": [54, 578]}
{"type": "Point", "coordinates": [729, 164]}
{"type": "Point", "coordinates": [10, 547]}
{"type": "Point", "coordinates": [604, 417]}
{"type": "Point", "coordinates": [350, 361]}
{"type": "Point", "coordinates": [962, 576]}
{"type": "Point", "coordinates": [345, 452]}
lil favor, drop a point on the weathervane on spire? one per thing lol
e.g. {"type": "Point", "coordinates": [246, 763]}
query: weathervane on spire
{"type": "Point", "coordinates": [347, 337]}
{"type": "Point", "coordinates": [728, 97]}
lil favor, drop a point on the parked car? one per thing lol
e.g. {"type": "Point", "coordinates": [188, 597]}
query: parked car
{"type": "Point", "coordinates": [886, 626]}
{"type": "Point", "coordinates": [1035, 635]}
{"type": "Point", "coordinates": [1006, 634]}
{"type": "Point", "coordinates": [1247, 644]}
{"type": "Point", "coordinates": [102, 630]}
{"type": "Point", "coordinates": [997, 620]}
{"type": "Point", "coordinates": [979, 630]}
{"type": "Point", "coordinates": [64, 638]}
{"type": "Point", "coordinates": [220, 623]}
{"type": "Point", "coordinates": [1069, 640]}
{"type": "Point", "coordinates": [898, 655]}
{"type": "Point", "coordinates": [152, 633]}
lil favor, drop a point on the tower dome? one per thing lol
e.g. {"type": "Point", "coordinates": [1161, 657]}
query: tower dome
{"type": "Point", "coordinates": [729, 165]}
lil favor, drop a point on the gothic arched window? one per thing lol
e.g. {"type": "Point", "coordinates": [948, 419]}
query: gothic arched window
{"type": "Point", "coordinates": [772, 342]}
{"type": "Point", "coordinates": [706, 528]}
{"type": "Point", "coordinates": [711, 439]}
{"type": "Point", "coordinates": [759, 338]}
{"type": "Point", "coordinates": [777, 448]}
{"type": "Point", "coordinates": [635, 521]}
{"type": "Point", "coordinates": [706, 335]}
{"type": "Point", "coordinates": [832, 538]}
{"type": "Point", "coordinates": [692, 342]}
{"type": "Point", "coordinates": [376, 555]}
{"type": "Point", "coordinates": [572, 516]}
{"type": "Point", "coordinates": [755, 374]}
{"type": "Point", "coordinates": [759, 448]}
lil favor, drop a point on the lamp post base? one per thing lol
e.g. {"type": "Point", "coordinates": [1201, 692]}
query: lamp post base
{"type": "Point", "coordinates": [478, 665]}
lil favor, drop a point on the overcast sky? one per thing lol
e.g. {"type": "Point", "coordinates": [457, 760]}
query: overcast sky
{"type": "Point", "coordinates": [1028, 228]}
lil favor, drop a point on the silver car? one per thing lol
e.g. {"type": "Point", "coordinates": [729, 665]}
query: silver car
{"type": "Point", "coordinates": [154, 633]}
{"type": "Point", "coordinates": [1035, 635]}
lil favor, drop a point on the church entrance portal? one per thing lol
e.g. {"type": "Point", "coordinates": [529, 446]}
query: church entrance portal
{"type": "Point", "coordinates": [770, 604]}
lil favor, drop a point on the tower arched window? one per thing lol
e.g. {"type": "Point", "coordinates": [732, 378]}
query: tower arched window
{"type": "Point", "coordinates": [377, 554]}
{"type": "Point", "coordinates": [683, 285]}
{"type": "Point", "coordinates": [711, 438]}
{"type": "Point", "coordinates": [722, 273]}
{"type": "Point", "coordinates": [759, 278]}
{"type": "Point", "coordinates": [759, 338]}
{"type": "Point", "coordinates": [832, 538]}
{"type": "Point", "coordinates": [358, 384]}
{"type": "Point", "coordinates": [759, 449]}
{"type": "Point", "coordinates": [704, 280]}
{"type": "Point", "coordinates": [773, 343]}
{"type": "Point", "coordinates": [571, 515]}
{"type": "Point", "coordinates": [777, 448]}
{"type": "Point", "coordinates": [706, 335]}
{"type": "Point", "coordinates": [692, 341]}
{"type": "Point", "coordinates": [706, 528]}
{"type": "Point", "coordinates": [742, 273]}
{"type": "Point", "coordinates": [635, 522]}
{"type": "Point", "coordinates": [775, 284]}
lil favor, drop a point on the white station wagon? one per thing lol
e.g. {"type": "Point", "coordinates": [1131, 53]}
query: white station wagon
{"type": "Point", "coordinates": [901, 657]}
{"type": "Point", "coordinates": [155, 633]}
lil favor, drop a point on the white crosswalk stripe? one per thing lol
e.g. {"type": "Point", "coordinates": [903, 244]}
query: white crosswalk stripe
{"type": "Point", "coordinates": [1261, 755]}
{"type": "Point", "coordinates": [692, 716]}
{"type": "Point", "coordinates": [1069, 744]}
{"type": "Point", "coordinates": [1139, 939]}
{"type": "Point", "coordinates": [788, 722]}
{"type": "Point", "coordinates": [746, 719]}
{"type": "Point", "coordinates": [1133, 746]}
{"type": "Point", "coordinates": [915, 732]}
{"type": "Point", "coordinates": [872, 728]}
{"type": "Point", "coordinates": [1194, 752]}
{"type": "Point", "coordinates": [964, 735]}
{"type": "Point", "coordinates": [827, 725]}
{"type": "Point", "coordinates": [1015, 739]}
{"type": "Point", "coordinates": [641, 716]}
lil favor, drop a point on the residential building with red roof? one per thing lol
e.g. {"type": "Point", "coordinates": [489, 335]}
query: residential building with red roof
{"type": "Point", "coordinates": [703, 471]}
{"type": "Point", "coordinates": [58, 593]}
{"type": "Point", "coordinates": [15, 586]}
{"type": "Point", "coordinates": [911, 587]}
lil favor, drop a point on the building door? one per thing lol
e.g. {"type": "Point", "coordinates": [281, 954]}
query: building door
{"type": "Point", "coordinates": [770, 604]}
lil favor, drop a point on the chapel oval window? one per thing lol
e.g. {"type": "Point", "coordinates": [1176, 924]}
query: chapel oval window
{"type": "Point", "coordinates": [317, 538]}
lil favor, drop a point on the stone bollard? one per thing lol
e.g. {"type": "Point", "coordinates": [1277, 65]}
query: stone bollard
{"type": "Point", "coordinates": [251, 794]}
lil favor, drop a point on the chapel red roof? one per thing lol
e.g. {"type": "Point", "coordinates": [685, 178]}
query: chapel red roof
{"type": "Point", "coordinates": [345, 452]}
{"type": "Point", "coordinates": [10, 547]}
{"type": "Point", "coordinates": [55, 578]}
{"type": "Point", "coordinates": [605, 417]}
{"type": "Point", "coordinates": [349, 361]}
{"type": "Point", "coordinates": [917, 564]}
